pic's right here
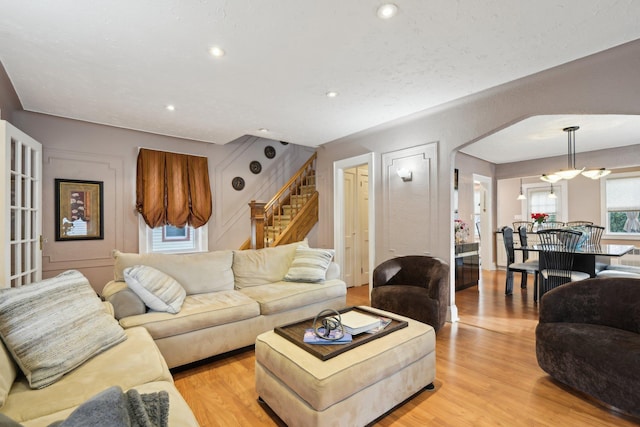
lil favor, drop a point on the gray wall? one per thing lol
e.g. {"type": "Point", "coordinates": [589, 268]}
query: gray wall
{"type": "Point", "coordinates": [605, 83]}
{"type": "Point", "coordinates": [9, 101]}
{"type": "Point", "coordinates": [79, 150]}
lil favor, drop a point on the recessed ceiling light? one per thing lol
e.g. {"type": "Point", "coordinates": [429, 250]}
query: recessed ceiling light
{"type": "Point", "coordinates": [171, 107]}
{"type": "Point", "coordinates": [263, 130]}
{"type": "Point", "coordinates": [216, 51]}
{"type": "Point", "coordinates": [331, 94]}
{"type": "Point", "coordinates": [387, 11]}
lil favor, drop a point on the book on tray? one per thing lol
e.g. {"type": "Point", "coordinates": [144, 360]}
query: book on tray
{"type": "Point", "coordinates": [310, 337]}
{"type": "Point", "coordinates": [384, 322]}
{"type": "Point", "coordinates": [355, 322]}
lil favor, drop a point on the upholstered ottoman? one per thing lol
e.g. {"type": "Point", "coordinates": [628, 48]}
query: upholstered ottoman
{"type": "Point", "coordinates": [351, 389]}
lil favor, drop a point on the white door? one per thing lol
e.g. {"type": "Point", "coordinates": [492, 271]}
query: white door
{"type": "Point", "coordinates": [363, 224]}
{"type": "Point", "coordinates": [350, 243]}
{"type": "Point", "coordinates": [21, 210]}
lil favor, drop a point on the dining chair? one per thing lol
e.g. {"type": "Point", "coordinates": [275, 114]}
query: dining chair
{"type": "Point", "coordinates": [574, 223]}
{"type": "Point", "coordinates": [527, 224]}
{"type": "Point", "coordinates": [533, 263]}
{"type": "Point", "coordinates": [512, 266]}
{"type": "Point", "coordinates": [558, 247]}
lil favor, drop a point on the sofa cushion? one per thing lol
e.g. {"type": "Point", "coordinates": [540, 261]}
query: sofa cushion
{"type": "Point", "coordinates": [180, 415]}
{"type": "Point", "coordinates": [131, 363]}
{"type": "Point", "coordinates": [159, 291]}
{"type": "Point", "coordinates": [282, 296]}
{"type": "Point", "coordinates": [7, 373]}
{"type": "Point", "coordinates": [54, 326]}
{"type": "Point", "coordinates": [309, 265]}
{"type": "Point", "coordinates": [197, 273]}
{"type": "Point", "coordinates": [255, 267]}
{"type": "Point", "coordinates": [198, 312]}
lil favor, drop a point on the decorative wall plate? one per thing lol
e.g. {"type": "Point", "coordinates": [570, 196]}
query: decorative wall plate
{"type": "Point", "coordinates": [270, 152]}
{"type": "Point", "coordinates": [255, 167]}
{"type": "Point", "coordinates": [237, 183]}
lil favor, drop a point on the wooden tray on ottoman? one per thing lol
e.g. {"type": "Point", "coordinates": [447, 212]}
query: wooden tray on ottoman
{"type": "Point", "coordinates": [294, 332]}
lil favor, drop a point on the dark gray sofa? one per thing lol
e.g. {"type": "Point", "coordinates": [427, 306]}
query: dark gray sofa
{"type": "Point", "coordinates": [588, 338]}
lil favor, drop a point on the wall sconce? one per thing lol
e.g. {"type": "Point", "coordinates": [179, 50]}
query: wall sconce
{"type": "Point", "coordinates": [405, 174]}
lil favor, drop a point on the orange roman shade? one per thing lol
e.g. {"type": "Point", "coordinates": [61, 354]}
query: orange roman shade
{"type": "Point", "coordinates": [172, 189]}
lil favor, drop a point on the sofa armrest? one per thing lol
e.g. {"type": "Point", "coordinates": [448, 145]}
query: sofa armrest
{"type": "Point", "coordinates": [125, 302]}
{"type": "Point", "coordinates": [333, 272]}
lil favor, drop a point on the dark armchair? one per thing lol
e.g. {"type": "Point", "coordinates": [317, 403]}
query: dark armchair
{"type": "Point", "coordinates": [414, 286]}
{"type": "Point", "coordinates": [588, 338]}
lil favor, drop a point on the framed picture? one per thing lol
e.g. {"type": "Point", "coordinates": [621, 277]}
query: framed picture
{"type": "Point", "coordinates": [78, 210]}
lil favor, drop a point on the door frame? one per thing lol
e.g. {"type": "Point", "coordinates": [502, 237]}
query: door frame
{"type": "Point", "coordinates": [339, 167]}
{"type": "Point", "coordinates": [487, 239]}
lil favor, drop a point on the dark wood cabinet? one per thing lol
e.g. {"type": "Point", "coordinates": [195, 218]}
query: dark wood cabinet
{"type": "Point", "coordinates": [467, 265]}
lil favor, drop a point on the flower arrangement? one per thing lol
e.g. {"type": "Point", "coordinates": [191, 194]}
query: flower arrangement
{"type": "Point", "coordinates": [539, 217]}
{"type": "Point", "coordinates": [462, 231]}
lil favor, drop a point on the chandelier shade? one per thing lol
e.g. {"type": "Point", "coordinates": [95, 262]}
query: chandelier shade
{"type": "Point", "coordinates": [596, 173]}
{"type": "Point", "coordinates": [551, 178]}
{"type": "Point", "coordinates": [571, 171]}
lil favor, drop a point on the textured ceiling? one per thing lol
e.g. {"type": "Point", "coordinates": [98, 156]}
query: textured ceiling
{"type": "Point", "coordinates": [120, 62]}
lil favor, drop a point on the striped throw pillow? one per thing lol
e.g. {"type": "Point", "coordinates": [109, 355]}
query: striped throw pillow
{"type": "Point", "coordinates": [159, 291]}
{"type": "Point", "coordinates": [53, 326]}
{"type": "Point", "coordinates": [309, 265]}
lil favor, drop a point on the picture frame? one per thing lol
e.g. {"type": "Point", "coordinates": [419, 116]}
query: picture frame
{"type": "Point", "coordinates": [78, 210]}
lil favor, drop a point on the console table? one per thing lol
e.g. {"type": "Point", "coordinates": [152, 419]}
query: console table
{"type": "Point", "coordinates": [467, 265]}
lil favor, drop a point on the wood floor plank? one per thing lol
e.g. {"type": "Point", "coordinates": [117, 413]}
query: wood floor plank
{"type": "Point", "coordinates": [486, 374]}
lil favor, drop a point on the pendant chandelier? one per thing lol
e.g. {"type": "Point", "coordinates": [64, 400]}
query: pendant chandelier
{"type": "Point", "coordinates": [571, 171]}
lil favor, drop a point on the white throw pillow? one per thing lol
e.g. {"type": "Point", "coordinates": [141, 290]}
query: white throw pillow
{"type": "Point", "coordinates": [309, 265]}
{"type": "Point", "coordinates": [53, 326]}
{"type": "Point", "coordinates": [159, 291]}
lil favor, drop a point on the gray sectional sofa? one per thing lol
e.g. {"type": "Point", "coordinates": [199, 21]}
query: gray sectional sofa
{"type": "Point", "coordinates": [231, 298]}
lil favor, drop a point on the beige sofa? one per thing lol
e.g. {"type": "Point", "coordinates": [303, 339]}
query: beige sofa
{"type": "Point", "coordinates": [231, 298]}
{"type": "Point", "coordinates": [135, 363]}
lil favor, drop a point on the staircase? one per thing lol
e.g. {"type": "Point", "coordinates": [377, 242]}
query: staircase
{"type": "Point", "coordinates": [289, 215]}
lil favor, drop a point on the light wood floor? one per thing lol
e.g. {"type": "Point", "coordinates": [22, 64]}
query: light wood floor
{"type": "Point", "coordinates": [486, 374]}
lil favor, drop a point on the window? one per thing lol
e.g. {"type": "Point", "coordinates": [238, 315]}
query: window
{"type": "Point", "coordinates": [170, 239]}
{"type": "Point", "coordinates": [620, 194]}
{"type": "Point", "coordinates": [539, 200]}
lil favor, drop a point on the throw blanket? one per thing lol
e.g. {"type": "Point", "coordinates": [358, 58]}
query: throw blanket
{"type": "Point", "coordinates": [114, 408]}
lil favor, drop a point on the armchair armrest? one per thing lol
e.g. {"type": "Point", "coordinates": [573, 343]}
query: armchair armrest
{"type": "Point", "coordinates": [125, 302]}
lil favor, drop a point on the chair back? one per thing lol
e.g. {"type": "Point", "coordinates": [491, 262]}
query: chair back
{"type": "Point", "coordinates": [595, 234]}
{"type": "Point", "coordinates": [522, 233]}
{"type": "Point", "coordinates": [550, 224]}
{"type": "Point", "coordinates": [574, 223]}
{"type": "Point", "coordinates": [410, 270]}
{"type": "Point", "coordinates": [556, 255]}
{"type": "Point", "coordinates": [507, 236]}
{"type": "Point", "coordinates": [527, 224]}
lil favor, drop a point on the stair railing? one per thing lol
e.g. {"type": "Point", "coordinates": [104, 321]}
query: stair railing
{"type": "Point", "coordinates": [269, 220]}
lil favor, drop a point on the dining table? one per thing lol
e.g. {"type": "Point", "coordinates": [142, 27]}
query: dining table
{"type": "Point", "coordinates": [585, 257]}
